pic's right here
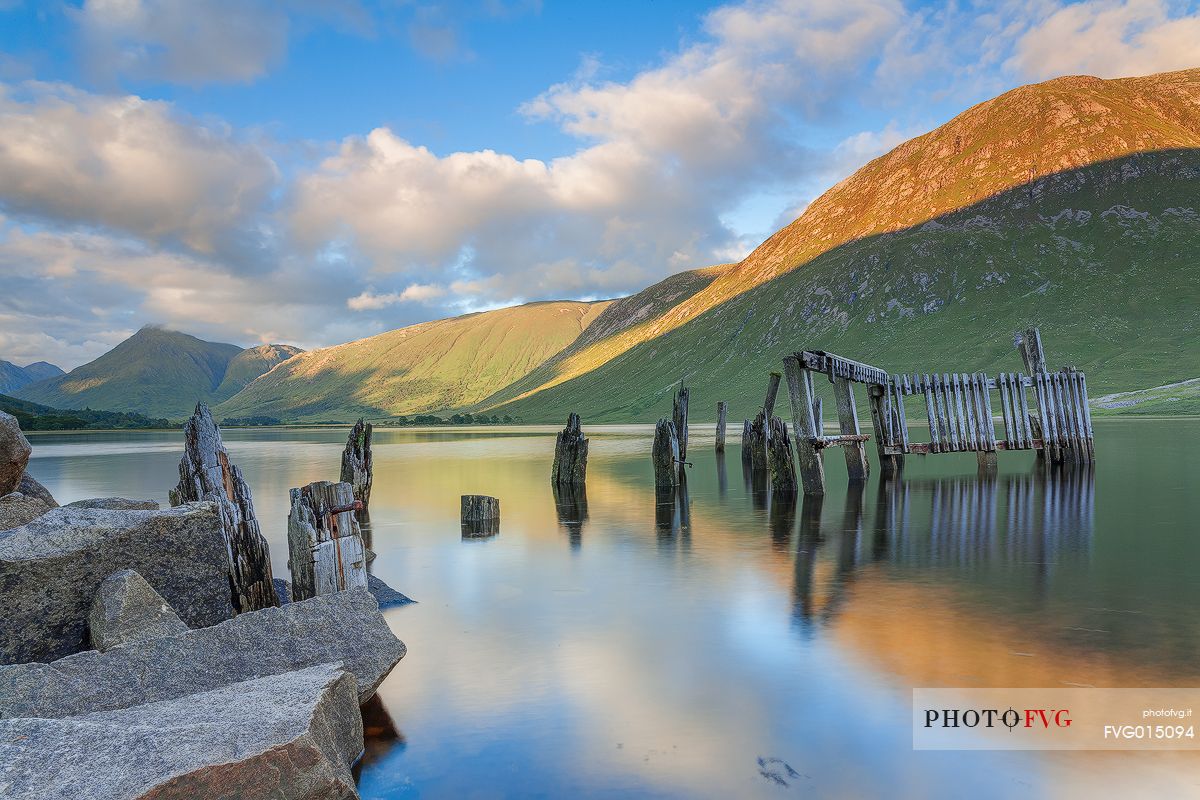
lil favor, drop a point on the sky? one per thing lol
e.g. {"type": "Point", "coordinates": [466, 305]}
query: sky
{"type": "Point", "coordinates": [316, 171]}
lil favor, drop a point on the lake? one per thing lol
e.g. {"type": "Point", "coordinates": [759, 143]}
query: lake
{"type": "Point", "coordinates": [725, 644]}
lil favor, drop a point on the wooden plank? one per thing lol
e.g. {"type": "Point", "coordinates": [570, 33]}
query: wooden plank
{"type": "Point", "coordinates": [679, 415]}
{"type": "Point", "coordinates": [1006, 408]}
{"type": "Point", "coordinates": [722, 412]}
{"type": "Point", "coordinates": [1023, 404]}
{"type": "Point", "coordinates": [945, 409]}
{"type": "Point", "coordinates": [930, 410]}
{"type": "Point", "coordinates": [901, 420]}
{"type": "Point", "coordinates": [989, 421]}
{"type": "Point", "coordinates": [808, 461]}
{"type": "Point", "coordinates": [1087, 417]}
{"type": "Point", "coordinates": [969, 409]}
{"type": "Point", "coordinates": [1081, 427]}
{"type": "Point", "coordinates": [847, 411]}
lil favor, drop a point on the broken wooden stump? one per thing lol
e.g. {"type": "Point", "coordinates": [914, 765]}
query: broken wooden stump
{"type": "Point", "coordinates": [205, 473]}
{"type": "Point", "coordinates": [747, 436]}
{"type": "Point", "coordinates": [480, 515]}
{"type": "Point", "coordinates": [857, 467]}
{"type": "Point", "coordinates": [756, 443]}
{"type": "Point", "coordinates": [326, 550]}
{"type": "Point", "coordinates": [356, 463]}
{"type": "Point", "coordinates": [679, 415]}
{"type": "Point", "coordinates": [722, 411]}
{"type": "Point", "coordinates": [570, 455]}
{"type": "Point", "coordinates": [780, 460]}
{"type": "Point", "coordinates": [665, 454]}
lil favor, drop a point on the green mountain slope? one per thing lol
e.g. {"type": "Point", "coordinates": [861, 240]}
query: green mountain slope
{"type": "Point", "coordinates": [157, 372]}
{"type": "Point", "coordinates": [36, 417]}
{"type": "Point", "coordinates": [13, 377]}
{"type": "Point", "coordinates": [249, 364]}
{"type": "Point", "coordinates": [434, 366]}
{"type": "Point", "coordinates": [1073, 205]}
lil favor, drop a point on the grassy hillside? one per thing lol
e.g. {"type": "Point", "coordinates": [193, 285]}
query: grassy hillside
{"type": "Point", "coordinates": [13, 377]}
{"type": "Point", "coordinates": [431, 367]}
{"type": "Point", "coordinates": [249, 364]}
{"type": "Point", "coordinates": [1072, 205]}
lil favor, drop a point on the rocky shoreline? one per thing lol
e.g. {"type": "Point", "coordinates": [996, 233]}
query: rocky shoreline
{"type": "Point", "coordinates": [135, 662]}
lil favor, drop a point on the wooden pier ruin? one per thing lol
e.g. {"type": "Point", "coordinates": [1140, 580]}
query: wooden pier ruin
{"type": "Point", "coordinates": [1056, 422]}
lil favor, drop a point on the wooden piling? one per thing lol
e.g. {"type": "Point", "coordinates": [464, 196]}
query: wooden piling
{"type": "Point", "coordinates": [205, 473]}
{"type": "Point", "coordinates": [780, 460]}
{"type": "Point", "coordinates": [356, 463]}
{"type": "Point", "coordinates": [808, 456]}
{"type": "Point", "coordinates": [759, 436]}
{"type": "Point", "coordinates": [890, 465]}
{"type": "Point", "coordinates": [856, 452]}
{"type": "Point", "coordinates": [480, 515]}
{"type": "Point", "coordinates": [722, 411]}
{"type": "Point", "coordinates": [665, 454]}
{"type": "Point", "coordinates": [570, 455]}
{"type": "Point", "coordinates": [325, 547]}
{"type": "Point", "coordinates": [679, 416]}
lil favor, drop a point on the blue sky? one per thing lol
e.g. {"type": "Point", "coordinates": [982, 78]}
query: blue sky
{"type": "Point", "coordinates": [314, 171]}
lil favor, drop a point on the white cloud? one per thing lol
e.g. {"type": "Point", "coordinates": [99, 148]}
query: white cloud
{"type": "Point", "coordinates": [132, 165]}
{"type": "Point", "coordinates": [418, 293]}
{"type": "Point", "coordinates": [1110, 39]}
{"type": "Point", "coordinates": [199, 41]}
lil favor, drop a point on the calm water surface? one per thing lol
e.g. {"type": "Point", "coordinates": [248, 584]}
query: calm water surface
{"type": "Point", "coordinates": [722, 645]}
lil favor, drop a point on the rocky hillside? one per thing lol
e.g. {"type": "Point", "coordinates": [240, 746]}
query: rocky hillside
{"type": "Point", "coordinates": [1070, 204]}
{"type": "Point", "coordinates": [434, 366]}
{"type": "Point", "coordinates": [156, 372]}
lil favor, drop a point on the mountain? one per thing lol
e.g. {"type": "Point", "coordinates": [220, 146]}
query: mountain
{"type": "Point", "coordinates": [249, 364]}
{"type": "Point", "coordinates": [13, 377]}
{"type": "Point", "coordinates": [1070, 204]}
{"type": "Point", "coordinates": [156, 372]}
{"type": "Point", "coordinates": [35, 417]}
{"type": "Point", "coordinates": [433, 366]}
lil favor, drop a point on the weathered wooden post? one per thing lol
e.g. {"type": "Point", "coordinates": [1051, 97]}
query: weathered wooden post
{"type": "Point", "coordinates": [747, 443]}
{"type": "Point", "coordinates": [205, 473]}
{"type": "Point", "coordinates": [480, 515]}
{"type": "Point", "coordinates": [326, 550]}
{"type": "Point", "coordinates": [808, 455]}
{"type": "Point", "coordinates": [665, 454]}
{"type": "Point", "coordinates": [890, 465]}
{"type": "Point", "coordinates": [722, 410]}
{"type": "Point", "coordinates": [759, 433]}
{"type": "Point", "coordinates": [779, 457]}
{"type": "Point", "coordinates": [679, 416]}
{"type": "Point", "coordinates": [857, 468]}
{"type": "Point", "coordinates": [570, 455]}
{"type": "Point", "coordinates": [772, 394]}
{"type": "Point", "coordinates": [356, 463]}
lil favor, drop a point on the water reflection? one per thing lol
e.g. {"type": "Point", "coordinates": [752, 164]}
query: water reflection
{"type": "Point", "coordinates": [673, 512]}
{"type": "Point", "coordinates": [571, 508]}
{"type": "Point", "coordinates": [948, 523]}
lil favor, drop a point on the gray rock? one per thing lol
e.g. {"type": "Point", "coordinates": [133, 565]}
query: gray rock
{"type": "Point", "coordinates": [14, 454]}
{"type": "Point", "coordinates": [386, 596]}
{"type": "Point", "coordinates": [115, 504]}
{"type": "Point", "coordinates": [17, 509]}
{"type": "Point", "coordinates": [283, 590]}
{"type": "Point", "coordinates": [293, 735]}
{"type": "Point", "coordinates": [127, 609]}
{"type": "Point", "coordinates": [50, 570]}
{"type": "Point", "coordinates": [345, 626]}
{"type": "Point", "coordinates": [31, 488]}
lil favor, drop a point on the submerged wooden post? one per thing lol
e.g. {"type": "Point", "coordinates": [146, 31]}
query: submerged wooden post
{"type": "Point", "coordinates": [779, 457]}
{"type": "Point", "coordinates": [722, 410]}
{"type": "Point", "coordinates": [746, 443]}
{"type": "Point", "coordinates": [325, 544]}
{"type": "Point", "coordinates": [856, 452]}
{"type": "Point", "coordinates": [758, 443]}
{"type": "Point", "coordinates": [570, 455]}
{"type": "Point", "coordinates": [679, 416]}
{"type": "Point", "coordinates": [808, 456]}
{"type": "Point", "coordinates": [665, 454]}
{"type": "Point", "coordinates": [480, 515]}
{"type": "Point", "coordinates": [356, 462]}
{"type": "Point", "coordinates": [205, 473]}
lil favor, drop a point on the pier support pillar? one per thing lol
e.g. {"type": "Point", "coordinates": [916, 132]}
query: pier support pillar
{"type": "Point", "coordinates": [808, 455]}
